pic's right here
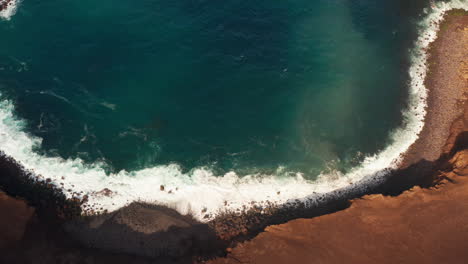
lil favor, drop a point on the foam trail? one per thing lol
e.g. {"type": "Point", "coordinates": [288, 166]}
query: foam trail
{"type": "Point", "coordinates": [10, 10]}
{"type": "Point", "coordinates": [199, 189]}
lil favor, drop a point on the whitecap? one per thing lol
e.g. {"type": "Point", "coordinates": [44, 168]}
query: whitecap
{"type": "Point", "coordinates": [10, 10]}
{"type": "Point", "coordinates": [199, 189]}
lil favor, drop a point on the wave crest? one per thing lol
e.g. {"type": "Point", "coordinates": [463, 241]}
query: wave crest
{"type": "Point", "coordinates": [8, 8]}
{"type": "Point", "coordinates": [202, 193]}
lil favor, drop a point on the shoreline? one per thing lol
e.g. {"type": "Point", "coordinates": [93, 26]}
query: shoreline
{"type": "Point", "coordinates": [204, 194]}
{"type": "Point", "coordinates": [234, 228]}
{"type": "Point", "coordinates": [8, 8]}
{"type": "Point", "coordinates": [444, 113]}
{"type": "Point", "coordinates": [422, 224]}
{"type": "Point", "coordinates": [441, 113]}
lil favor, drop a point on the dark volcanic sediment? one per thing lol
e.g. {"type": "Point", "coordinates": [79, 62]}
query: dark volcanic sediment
{"type": "Point", "coordinates": [147, 230]}
{"type": "Point", "coordinates": [422, 225]}
{"type": "Point", "coordinates": [446, 93]}
{"type": "Point", "coordinates": [15, 216]}
{"type": "Point", "coordinates": [419, 226]}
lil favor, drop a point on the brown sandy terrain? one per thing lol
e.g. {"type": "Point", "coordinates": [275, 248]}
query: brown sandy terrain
{"type": "Point", "coordinates": [447, 61]}
{"type": "Point", "coordinates": [15, 217]}
{"type": "Point", "coordinates": [418, 226]}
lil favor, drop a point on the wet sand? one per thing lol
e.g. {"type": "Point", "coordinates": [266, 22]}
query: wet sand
{"type": "Point", "coordinates": [446, 91]}
{"type": "Point", "coordinates": [389, 226]}
{"type": "Point", "coordinates": [419, 226]}
{"type": "Point", "coordinates": [422, 225]}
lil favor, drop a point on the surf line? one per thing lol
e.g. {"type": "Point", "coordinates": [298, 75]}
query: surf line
{"type": "Point", "coordinates": [204, 194]}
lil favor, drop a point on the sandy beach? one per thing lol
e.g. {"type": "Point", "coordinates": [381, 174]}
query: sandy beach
{"type": "Point", "coordinates": [446, 93]}
{"type": "Point", "coordinates": [424, 224]}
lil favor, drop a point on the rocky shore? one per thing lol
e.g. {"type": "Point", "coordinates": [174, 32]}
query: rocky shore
{"type": "Point", "coordinates": [4, 4]}
{"type": "Point", "coordinates": [421, 225]}
{"type": "Point", "coordinates": [416, 224]}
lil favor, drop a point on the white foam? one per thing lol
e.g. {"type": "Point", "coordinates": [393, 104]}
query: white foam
{"type": "Point", "coordinates": [199, 189]}
{"type": "Point", "coordinates": [10, 10]}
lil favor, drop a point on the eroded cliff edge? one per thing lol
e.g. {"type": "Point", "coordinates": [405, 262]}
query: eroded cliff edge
{"type": "Point", "coordinates": [421, 225]}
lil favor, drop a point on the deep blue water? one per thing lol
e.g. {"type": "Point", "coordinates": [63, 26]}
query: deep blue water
{"type": "Point", "coordinates": [232, 85]}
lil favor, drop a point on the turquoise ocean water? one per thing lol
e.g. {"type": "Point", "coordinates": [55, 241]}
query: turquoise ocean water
{"type": "Point", "coordinates": [251, 87]}
{"type": "Point", "coordinates": [233, 85]}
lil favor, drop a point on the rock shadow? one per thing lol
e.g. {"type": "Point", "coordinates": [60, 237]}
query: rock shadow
{"type": "Point", "coordinates": [147, 230]}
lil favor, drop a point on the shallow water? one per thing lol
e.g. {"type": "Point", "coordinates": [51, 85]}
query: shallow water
{"type": "Point", "coordinates": [232, 85]}
{"type": "Point", "coordinates": [312, 87]}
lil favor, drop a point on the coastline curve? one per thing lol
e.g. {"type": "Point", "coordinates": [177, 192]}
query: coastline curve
{"type": "Point", "coordinates": [205, 195]}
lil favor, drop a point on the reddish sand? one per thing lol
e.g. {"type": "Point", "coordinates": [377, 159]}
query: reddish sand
{"type": "Point", "coordinates": [418, 226]}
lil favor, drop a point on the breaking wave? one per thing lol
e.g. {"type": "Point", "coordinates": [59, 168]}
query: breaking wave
{"type": "Point", "coordinates": [9, 9]}
{"type": "Point", "coordinates": [201, 192]}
